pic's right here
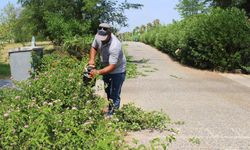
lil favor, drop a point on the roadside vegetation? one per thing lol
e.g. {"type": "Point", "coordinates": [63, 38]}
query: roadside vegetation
{"type": "Point", "coordinates": [53, 110]}
{"type": "Point", "coordinates": [212, 36]}
{"type": "Point", "coordinates": [5, 71]}
{"type": "Point", "coordinates": [218, 40]}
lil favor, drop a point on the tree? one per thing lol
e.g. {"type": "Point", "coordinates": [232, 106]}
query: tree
{"type": "Point", "coordinates": [188, 8]}
{"type": "Point", "coordinates": [156, 22]}
{"type": "Point", "coordinates": [242, 4]}
{"type": "Point", "coordinates": [60, 19]}
{"type": "Point", "coordinates": [245, 4]}
{"type": "Point", "coordinates": [149, 26]}
{"type": "Point", "coordinates": [142, 29]}
{"type": "Point", "coordinates": [8, 20]}
{"type": "Point", "coordinates": [136, 29]}
{"type": "Point", "coordinates": [223, 3]}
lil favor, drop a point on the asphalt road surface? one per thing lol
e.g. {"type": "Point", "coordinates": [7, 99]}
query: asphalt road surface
{"type": "Point", "coordinates": [215, 107]}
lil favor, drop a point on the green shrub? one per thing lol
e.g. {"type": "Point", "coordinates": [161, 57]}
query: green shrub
{"type": "Point", "coordinates": [78, 46]}
{"type": "Point", "coordinates": [55, 111]}
{"type": "Point", "coordinates": [134, 118]}
{"type": "Point", "coordinates": [49, 111]}
{"type": "Point", "coordinates": [60, 28]}
{"type": "Point", "coordinates": [4, 70]}
{"type": "Point", "coordinates": [217, 40]}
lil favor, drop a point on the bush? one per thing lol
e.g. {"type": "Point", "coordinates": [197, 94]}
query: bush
{"type": "Point", "coordinates": [133, 118]}
{"type": "Point", "coordinates": [60, 28]}
{"type": "Point", "coordinates": [77, 45]}
{"type": "Point", "coordinates": [48, 111]}
{"type": "Point", "coordinates": [218, 40]}
{"type": "Point", "coordinates": [55, 111]}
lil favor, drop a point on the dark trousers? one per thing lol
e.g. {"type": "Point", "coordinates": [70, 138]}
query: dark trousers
{"type": "Point", "coordinates": [113, 85]}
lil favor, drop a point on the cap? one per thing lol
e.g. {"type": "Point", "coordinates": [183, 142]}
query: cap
{"type": "Point", "coordinates": [103, 32]}
{"type": "Point", "coordinates": [105, 25]}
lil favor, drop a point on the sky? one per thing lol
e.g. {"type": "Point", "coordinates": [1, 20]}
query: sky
{"type": "Point", "coordinates": [3, 3]}
{"type": "Point", "coordinates": [164, 10]}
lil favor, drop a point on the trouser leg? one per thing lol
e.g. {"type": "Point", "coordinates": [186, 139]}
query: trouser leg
{"type": "Point", "coordinates": [113, 84]}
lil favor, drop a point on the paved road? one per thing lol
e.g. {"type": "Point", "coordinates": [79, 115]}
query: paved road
{"type": "Point", "coordinates": [214, 106]}
{"type": "Point", "coordinates": [5, 83]}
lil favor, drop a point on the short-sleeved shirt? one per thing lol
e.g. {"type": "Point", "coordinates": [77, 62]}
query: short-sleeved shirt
{"type": "Point", "coordinates": [111, 53]}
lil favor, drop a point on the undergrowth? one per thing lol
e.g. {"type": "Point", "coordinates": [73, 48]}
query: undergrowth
{"type": "Point", "coordinates": [53, 110]}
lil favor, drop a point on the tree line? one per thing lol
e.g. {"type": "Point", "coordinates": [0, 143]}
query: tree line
{"type": "Point", "coordinates": [59, 20]}
{"type": "Point", "coordinates": [188, 8]}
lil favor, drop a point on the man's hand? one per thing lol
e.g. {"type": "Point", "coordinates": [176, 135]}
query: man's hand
{"type": "Point", "coordinates": [103, 71]}
{"type": "Point", "coordinates": [87, 68]}
{"type": "Point", "coordinates": [94, 72]}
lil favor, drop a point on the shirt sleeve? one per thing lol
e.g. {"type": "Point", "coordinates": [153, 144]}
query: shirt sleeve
{"type": "Point", "coordinates": [95, 44]}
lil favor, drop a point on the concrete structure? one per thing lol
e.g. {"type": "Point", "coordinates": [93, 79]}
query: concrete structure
{"type": "Point", "coordinates": [21, 61]}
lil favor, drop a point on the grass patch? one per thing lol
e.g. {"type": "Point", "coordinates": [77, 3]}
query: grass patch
{"type": "Point", "coordinates": [154, 144]}
{"type": "Point", "coordinates": [194, 140]}
{"type": "Point", "coordinates": [4, 71]}
{"type": "Point", "coordinates": [133, 65]}
{"type": "Point", "coordinates": [131, 68]}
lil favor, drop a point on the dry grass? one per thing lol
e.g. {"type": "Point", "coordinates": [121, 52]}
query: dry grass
{"type": "Point", "coordinates": [4, 54]}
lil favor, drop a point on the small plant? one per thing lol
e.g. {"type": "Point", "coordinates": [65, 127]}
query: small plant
{"type": "Point", "coordinates": [131, 68]}
{"type": "Point", "coordinates": [134, 118]}
{"type": "Point", "coordinates": [154, 144]}
{"type": "Point", "coordinates": [179, 122]}
{"type": "Point", "coordinates": [194, 140]}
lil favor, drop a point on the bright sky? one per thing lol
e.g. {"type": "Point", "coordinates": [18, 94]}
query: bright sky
{"type": "Point", "coordinates": [164, 10]}
{"type": "Point", "coordinates": [3, 3]}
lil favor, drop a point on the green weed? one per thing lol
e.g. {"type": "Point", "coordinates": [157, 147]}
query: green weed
{"type": "Point", "coordinates": [4, 71]}
{"type": "Point", "coordinates": [194, 140]}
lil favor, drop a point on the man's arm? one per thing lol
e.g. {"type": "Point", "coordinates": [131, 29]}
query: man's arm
{"type": "Point", "coordinates": [92, 55]}
{"type": "Point", "coordinates": [103, 71]}
{"type": "Point", "coordinates": [106, 69]}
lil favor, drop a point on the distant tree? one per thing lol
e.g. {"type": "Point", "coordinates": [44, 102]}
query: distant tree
{"type": "Point", "coordinates": [188, 8]}
{"type": "Point", "coordinates": [149, 26]}
{"type": "Point", "coordinates": [142, 29]}
{"type": "Point", "coordinates": [136, 29]}
{"type": "Point", "coordinates": [156, 22]}
{"type": "Point", "coordinates": [8, 18]}
{"type": "Point", "coordinates": [242, 4]}
{"type": "Point", "coordinates": [24, 28]}
{"type": "Point", "coordinates": [222, 3]}
{"type": "Point", "coordinates": [57, 19]}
